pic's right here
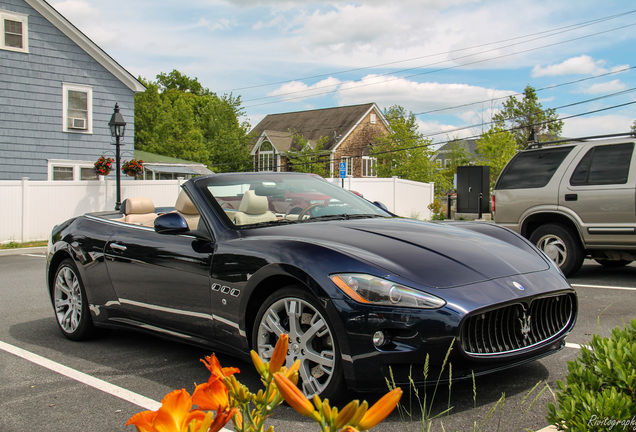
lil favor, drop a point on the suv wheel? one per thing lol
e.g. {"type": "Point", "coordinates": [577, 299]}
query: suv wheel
{"type": "Point", "coordinates": [561, 245]}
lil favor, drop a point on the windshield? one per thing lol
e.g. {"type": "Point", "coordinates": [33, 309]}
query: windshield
{"type": "Point", "coordinates": [249, 200]}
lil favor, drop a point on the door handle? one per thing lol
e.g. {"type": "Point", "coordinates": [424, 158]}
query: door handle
{"type": "Point", "coordinates": [571, 197]}
{"type": "Point", "coordinates": [118, 247]}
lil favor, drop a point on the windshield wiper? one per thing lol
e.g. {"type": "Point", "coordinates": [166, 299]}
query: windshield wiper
{"type": "Point", "coordinates": [342, 216]}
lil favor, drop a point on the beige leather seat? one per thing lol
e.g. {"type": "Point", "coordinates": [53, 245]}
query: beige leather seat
{"type": "Point", "coordinates": [253, 209]}
{"type": "Point", "coordinates": [189, 212]}
{"type": "Point", "coordinates": [139, 211]}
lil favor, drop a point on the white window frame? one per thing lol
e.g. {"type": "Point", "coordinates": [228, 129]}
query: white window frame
{"type": "Point", "coordinates": [75, 165]}
{"type": "Point", "coordinates": [373, 118]}
{"type": "Point", "coordinates": [12, 16]}
{"type": "Point", "coordinates": [268, 156]}
{"type": "Point", "coordinates": [348, 160]}
{"type": "Point", "coordinates": [66, 87]}
{"type": "Point", "coordinates": [369, 166]}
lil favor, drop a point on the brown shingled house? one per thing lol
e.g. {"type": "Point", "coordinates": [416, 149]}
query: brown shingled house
{"type": "Point", "coordinates": [350, 131]}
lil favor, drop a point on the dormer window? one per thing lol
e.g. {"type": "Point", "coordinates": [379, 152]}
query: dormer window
{"type": "Point", "coordinates": [14, 32]}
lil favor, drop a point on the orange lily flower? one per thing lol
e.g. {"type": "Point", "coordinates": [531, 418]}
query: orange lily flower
{"type": "Point", "coordinates": [216, 371]}
{"type": "Point", "coordinates": [174, 415]}
{"type": "Point", "coordinates": [143, 420]}
{"type": "Point", "coordinates": [380, 410]}
{"type": "Point", "coordinates": [220, 419]}
{"type": "Point", "coordinates": [349, 429]}
{"type": "Point", "coordinates": [280, 354]}
{"type": "Point", "coordinates": [211, 396]}
{"type": "Point", "coordinates": [294, 397]}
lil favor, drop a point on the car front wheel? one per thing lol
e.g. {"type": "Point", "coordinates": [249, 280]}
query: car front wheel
{"type": "Point", "coordinates": [561, 245]}
{"type": "Point", "coordinates": [312, 340]}
{"type": "Point", "coordinates": [69, 301]}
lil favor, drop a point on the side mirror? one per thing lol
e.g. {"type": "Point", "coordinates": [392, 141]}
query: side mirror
{"type": "Point", "coordinates": [381, 206]}
{"type": "Point", "coordinates": [171, 223]}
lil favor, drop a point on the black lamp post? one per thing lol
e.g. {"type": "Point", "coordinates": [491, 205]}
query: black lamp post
{"type": "Point", "coordinates": [117, 127]}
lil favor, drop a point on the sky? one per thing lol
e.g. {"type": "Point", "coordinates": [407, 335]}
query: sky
{"type": "Point", "coordinates": [452, 63]}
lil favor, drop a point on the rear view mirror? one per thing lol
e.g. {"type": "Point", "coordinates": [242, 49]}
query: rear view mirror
{"type": "Point", "coordinates": [171, 223]}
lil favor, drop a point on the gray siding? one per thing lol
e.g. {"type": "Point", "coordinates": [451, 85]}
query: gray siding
{"type": "Point", "coordinates": [31, 129]}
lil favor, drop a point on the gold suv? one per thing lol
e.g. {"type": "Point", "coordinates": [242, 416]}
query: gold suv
{"type": "Point", "coordinates": [573, 200]}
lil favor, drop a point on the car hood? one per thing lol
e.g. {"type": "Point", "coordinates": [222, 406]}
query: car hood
{"type": "Point", "coordinates": [436, 255]}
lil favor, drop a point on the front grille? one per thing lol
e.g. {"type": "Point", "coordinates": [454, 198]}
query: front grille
{"type": "Point", "coordinates": [517, 326]}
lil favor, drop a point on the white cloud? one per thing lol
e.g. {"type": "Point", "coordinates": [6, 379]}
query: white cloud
{"type": "Point", "coordinates": [606, 87]}
{"type": "Point", "coordinates": [581, 65]}
{"type": "Point", "coordinates": [597, 125]}
{"type": "Point", "coordinates": [297, 91]}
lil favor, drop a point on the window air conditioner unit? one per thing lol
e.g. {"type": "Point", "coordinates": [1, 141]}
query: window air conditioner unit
{"type": "Point", "coordinates": [78, 123]}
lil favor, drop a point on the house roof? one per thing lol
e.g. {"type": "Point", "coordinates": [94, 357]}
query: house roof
{"type": "Point", "coordinates": [470, 145]}
{"type": "Point", "coordinates": [73, 33]}
{"type": "Point", "coordinates": [334, 123]}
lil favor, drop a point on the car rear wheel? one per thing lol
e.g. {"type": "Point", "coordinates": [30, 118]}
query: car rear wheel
{"type": "Point", "coordinates": [561, 245]}
{"type": "Point", "coordinates": [70, 304]}
{"type": "Point", "coordinates": [312, 339]}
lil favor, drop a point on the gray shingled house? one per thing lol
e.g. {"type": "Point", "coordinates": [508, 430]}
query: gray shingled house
{"type": "Point", "coordinates": [350, 132]}
{"type": "Point", "coordinates": [57, 94]}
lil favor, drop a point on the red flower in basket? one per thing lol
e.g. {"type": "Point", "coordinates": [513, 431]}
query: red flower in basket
{"type": "Point", "coordinates": [133, 167]}
{"type": "Point", "coordinates": [103, 166]}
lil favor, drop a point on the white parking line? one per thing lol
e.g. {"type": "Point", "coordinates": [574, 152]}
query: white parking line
{"type": "Point", "coordinates": [572, 345]}
{"type": "Point", "coordinates": [83, 378]}
{"type": "Point", "coordinates": [604, 287]}
{"type": "Point", "coordinates": [86, 379]}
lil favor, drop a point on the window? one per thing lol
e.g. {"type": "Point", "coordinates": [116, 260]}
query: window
{"type": "Point", "coordinates": [266, 157]}
{"type": "Point", "coordinates": [369, 166]}
{"type": "Point", "coordinates": [71, 170]}
{"type": "Point", "coordinates": [78, 108]}
{"type": "Point", "coordinates": [88, 174]}
{"type": "Point", "coordinates": [604, 165]}
{"type": "Point", "coordinates": [349, 161]}
{"type": "Point", "coordinates": [532, 168]}
{"type": "Point", "coordinates": [373, 118]}
{"type": "Point", "coordinates": [14, 32]}
{"type": "Point", "coordinates": [62, 173]}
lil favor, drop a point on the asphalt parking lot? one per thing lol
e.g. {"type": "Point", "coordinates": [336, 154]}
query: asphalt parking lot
{"type": "Point", "coordinates": [50, 383]}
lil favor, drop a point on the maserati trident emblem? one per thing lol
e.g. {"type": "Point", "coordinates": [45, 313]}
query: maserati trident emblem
{"type": "Point", "coordinates": [518, 286]}
{"type": "Point", "coordinates": [525, 322]}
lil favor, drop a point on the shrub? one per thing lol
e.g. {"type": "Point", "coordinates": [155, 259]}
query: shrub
{"type": "Point", "coordinates": [600, 393]}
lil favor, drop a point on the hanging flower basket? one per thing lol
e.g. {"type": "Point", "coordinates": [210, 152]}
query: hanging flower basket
{"type": "Point", "coordinates": [103, 166]}
{"type": "Point", "coordinates": [133, 167]}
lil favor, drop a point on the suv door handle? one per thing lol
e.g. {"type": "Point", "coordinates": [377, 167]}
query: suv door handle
{"type": "Point", "coordinates": [571, 197]}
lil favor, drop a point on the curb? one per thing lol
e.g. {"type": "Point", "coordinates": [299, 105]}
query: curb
{"type": "Point", "coordinates": [22, 251]}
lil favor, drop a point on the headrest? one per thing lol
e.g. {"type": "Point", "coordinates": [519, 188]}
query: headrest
{"type": "Point", "coordinates": [253, 204]}
{"type": "Point", "coordinates": [184, 205]}
{"type": "Point", "coordinates": [138, 205]}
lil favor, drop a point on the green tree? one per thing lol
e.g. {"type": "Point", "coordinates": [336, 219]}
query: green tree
{"type": "Point", "coordinates": [176, 116]}
{"type": "Point", "coordinates": [457, 155]}
{"type": "Point", "coordinates": [303, 157]}
{"type": "Point", "coordinates": [405, 152]}
{"type": "Point", "coordinates": [495, 148]}
{"type": "Point", "coordinates": [522, 115]}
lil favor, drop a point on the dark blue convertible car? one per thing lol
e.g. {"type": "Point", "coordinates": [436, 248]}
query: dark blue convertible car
{"type": "Point", "coordinates": [242, 258]}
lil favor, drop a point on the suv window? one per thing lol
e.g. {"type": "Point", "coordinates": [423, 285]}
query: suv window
{"type": "Point", "coordinates": [603, 165]}
{"type": "Point", "coordinates": [532, 169]}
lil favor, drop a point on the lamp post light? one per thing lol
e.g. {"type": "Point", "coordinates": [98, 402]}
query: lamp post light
{"type": "Point", "coordinates": [117, 128]}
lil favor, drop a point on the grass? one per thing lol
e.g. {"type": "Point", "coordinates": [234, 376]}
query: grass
{"type": "Point", "coordinates": [15, 245]}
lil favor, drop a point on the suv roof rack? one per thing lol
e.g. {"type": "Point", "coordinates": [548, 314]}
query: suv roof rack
{"type": "Point", "coordinates": [535, 145]}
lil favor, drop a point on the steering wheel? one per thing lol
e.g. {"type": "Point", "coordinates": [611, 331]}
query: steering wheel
{"type": "Point", "coordinates": [308, 210]}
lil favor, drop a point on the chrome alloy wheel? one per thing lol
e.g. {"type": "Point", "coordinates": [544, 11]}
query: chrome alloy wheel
{"type": "Point", "coordinates": [310, 340]}
{"type": "Point", "coordinates": [554, 247]}
{"type": "Point", "coordinates": [67, 298]}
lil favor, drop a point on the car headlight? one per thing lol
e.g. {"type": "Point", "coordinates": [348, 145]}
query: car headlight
{"type": "Point", "coordinates": [369, 289]}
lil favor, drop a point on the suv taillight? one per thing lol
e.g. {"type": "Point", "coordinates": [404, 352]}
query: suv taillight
{"type": "Point", "coordinates": [493, 204]}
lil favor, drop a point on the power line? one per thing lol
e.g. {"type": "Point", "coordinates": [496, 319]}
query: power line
{"type": "Point", "coordinates": [555, 31]}
{"type": "Point", "coordinates": [312, 91]}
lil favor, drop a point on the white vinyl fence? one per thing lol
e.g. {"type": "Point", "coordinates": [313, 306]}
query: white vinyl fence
{"type": "Point", "coordinates": [405, 198]}
{"type": "Point", "coordinates": [30, 209]}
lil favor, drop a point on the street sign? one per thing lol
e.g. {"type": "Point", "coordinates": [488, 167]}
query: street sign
{"type": "Point", "coordinates": [343, 170]}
